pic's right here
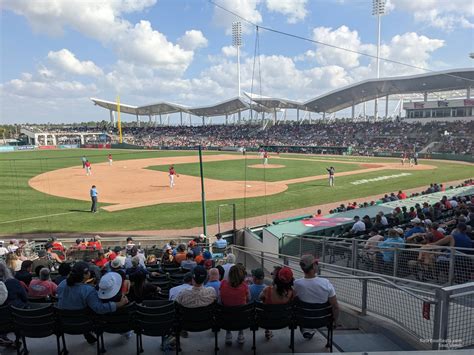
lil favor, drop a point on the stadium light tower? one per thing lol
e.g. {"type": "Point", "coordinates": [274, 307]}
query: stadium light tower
{"type": "Point", "coordinates": [237, 42]}
{"type": "Point", "coordinates": [378, 9]}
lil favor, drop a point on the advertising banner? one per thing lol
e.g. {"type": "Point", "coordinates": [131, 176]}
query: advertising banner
{"type": "Point", "coordinates": [68, 146]}
{"type": "Point", "coordinates": [6, 148]}
{"type": "Point", "coordinates": [47, 147]}
{"type": "Point", "coordinates": [26, 147]}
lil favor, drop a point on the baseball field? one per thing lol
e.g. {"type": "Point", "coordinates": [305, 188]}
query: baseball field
{"type": "Point", "coordinates": [48, 191]}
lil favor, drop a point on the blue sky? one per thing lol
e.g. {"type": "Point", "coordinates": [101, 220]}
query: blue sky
{"type": "Point", "coordinates": [56, 54]}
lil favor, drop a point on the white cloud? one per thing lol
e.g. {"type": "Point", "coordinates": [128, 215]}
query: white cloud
{"type": "Point", "coordinates": [229, 51]}
{"type": "Point", "coordinates": [444, 14]}
{"type": "Point", "coordinates": [103, 21]}
{"type": "Point", "coordinates": [67, 61]}
{"type": "Point", "coordinates": [294, 9]}
{"type": "Point", "coordinates": [340, 37]}
{"type": "Point", "coordinates": [244, 8]}
{"type": "Point", "coordinates": [192, 40]}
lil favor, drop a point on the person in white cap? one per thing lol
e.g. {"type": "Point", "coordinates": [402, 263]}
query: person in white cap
{"type": "Point", "coordinates": [417, 228]}
{"type": "Point", "coordinates": [3, 250]}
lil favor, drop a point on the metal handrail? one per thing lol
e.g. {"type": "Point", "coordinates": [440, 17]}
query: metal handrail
{"type": "Point", "coordinates": [379, 278]}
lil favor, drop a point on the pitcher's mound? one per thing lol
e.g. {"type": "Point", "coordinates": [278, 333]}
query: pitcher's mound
{"type": "Point", "coordinates": [268, 166]}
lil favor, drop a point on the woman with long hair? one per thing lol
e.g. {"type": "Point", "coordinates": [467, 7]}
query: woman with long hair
{"type": "Point", "coordinates": [234, 292]}
{"type": "Point", "coordinates": [140, 289]}
{"type": "Point", "coordinates": [13, 263]}
{"type": "Point", "coordinates": [280, 292]}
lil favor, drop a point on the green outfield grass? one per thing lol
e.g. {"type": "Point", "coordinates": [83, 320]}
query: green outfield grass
{"type": "Point", "coordinates": [21, 206]}
{"type": "Point", "coordinates": [240, 170]}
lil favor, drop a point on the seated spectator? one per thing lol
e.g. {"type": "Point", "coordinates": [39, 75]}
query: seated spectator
{"type": "Point", "coordinates": [370, 246]}
{"type": "Point", "coordinates": [115, 267]}
{"type": "Point", "coordinates": [167, 258]}
{"type": "Point", "coordinates": [358, 227]}
{"type": "Point", "coordinates": [133, 252]}
{"type": "Point", "coordinates": [392, 241]}
{"type": "Point", "coordinates": [230, 261]}
{"type": "Point", "coordinates": [180, 254]}
{"type": "Point", "coordinates": [151, 260]}
{"type": "Point", "coordinates": [57, 245]}
{"type": "Point", "coordinates": [234, 292]}
{"type": "Point", "coordinates": [383, 219]}
{"type": "Point", "coordinates": [3, 250]}
{"type": "Point", "coordinates": [16, 292]}
{"type": "Point", "coordinates": [140, 288]}
{"type": "Point", "coordinates": [318, 214]}
{"type": "Point", "coordinates": [13, 262]}
{"type": "Point", "coordinates": [213, 280]}
{"type": "Point", "coordinates": [110, 287]}
{"type": "Point", "coordinates": [25, 274]}
{"type": "Point", "coordinates": [41, 262]}
{"type": "Point", "coordinates": [367, 222]}
{"type": "Point", "coordinates": [458, 238]}
{"type": "Point", "coordinates": [11, 293]}
{"type": "Point", "coordinates": [189, 263]}
{"type": "Point", "coordinates": [280, 292]}
{"type": "Point", "coordinates": [121, 256]}
{"type": "Point", "coordinates": [12, 246]}
{"type": "Point", "coordinates": [63, 271]}
{"type": "Point", "coordinates": [51, 254]}
{"type": "Point", "coordinates": [417, 227]}
{"type": "Point", "coordinates": [207, 256]}
{"type": "Point", "coordinates": [378, 223]}
{"type": "Point", "coordinates": [187, 284]}
{"type": "Point", "coordinates": [101, 260]}
{"type": "Point", "coordinates": [42, 287]}
{"type": "Point", "coordinates": [76, 294]}
{"type": "Point", "coordinates": [197, 295]}
{"type": "Point", "coordinates": [95, 243]}
{"type": "Point", "coordinates": [130, 244]}
{"type": "Point", "coordinates": [314, 289]}
{"type": "Point", "coordinates": [221, 272]}
{"type": "Point", "coordinates": [220, 243]}
{"type": "Point", "coordinates": [257, 285]}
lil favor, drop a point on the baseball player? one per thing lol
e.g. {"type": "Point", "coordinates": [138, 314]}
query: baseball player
{"type": "Point", "coordinates": [94, 195]}
{"type": "Point", "coordinates": [412, 160]}
{"type": "Point", "coordinates": [404, 158]}
{"type": "Point", "coordinates": [265, 158]}
{"type": "Point", "coordinates": [88, 168]}
{"type": "Point", "coordinates": [171, 174]}
{"type": "Point", "coordinates": [83, 159]}
{"type": "Point", "coordinates": [331, 172]}
{"type": "Point", "coordinates": [110, 159]}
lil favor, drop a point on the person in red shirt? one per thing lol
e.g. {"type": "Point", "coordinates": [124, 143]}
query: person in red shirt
{"type": "Point", "coordinates": [110, 159]}
{"type": "Point", "coordinates": [234, 292]}
{"type": "Point", "coordinates": [265, 158]}
{"type": "Point", "coordinates": [101, 260]}
{"type": "Point", "coordinates": [95, 243]}
{"type": "Point", "coordinates": [401, 195]}
{"type": "Point", "coordinates": [88, 166]}
{"type": "Point", "coordinates": [42, 287]}
{"type": "Point", "coordinates": [172, 174]}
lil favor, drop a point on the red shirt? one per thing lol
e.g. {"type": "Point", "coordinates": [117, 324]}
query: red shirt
{"type": "Point", "coordinates": [110, 156]}
{"type": "Point", "coordinates": [233, 296]}
{"type": "Point", "coordinates": [437, 235]}
{"type": "Point", "coordinates": [171, 171]}
{"type": "Point", "coordinates": [96, 245]}
{"type": "Point", "coordinates": [101, 262]}
{"type": "Point", "coordinates": [265, 155]}
{"type": "Point", "coordinates": [88, 164]}
{"type": "Point", "coordinates": [38, 288]}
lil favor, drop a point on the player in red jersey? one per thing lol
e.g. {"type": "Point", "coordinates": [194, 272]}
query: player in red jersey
{"type": "Point", "coordinates": [110, 159]}
{"type": "Point", "coordinates": [172, 174]}
{"type": "Point", "coordinates": [265, 158]}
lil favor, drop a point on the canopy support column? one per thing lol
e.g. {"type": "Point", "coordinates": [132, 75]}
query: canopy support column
{"type": "Point", "coordinates": [226, 119]}
{"type": "Point", "coordinates": [298, 115]}
{"type": "Point", "coordinates": [240, 117]}
{"type": "Point", "coordinates": [203, 121]}
{"type": "Point", "coordinates": [468, 92]}
{"type": "Point", "coordinates": [161, 120]}
{"type": "Point", "coordinates": [386, 106]}
{"type": "Point", "coordinates": [425, 96]}
{"type": "Point", "coordinates": [112, 118]}
{"type": "Point", "coordinates": [138, 120]}
{"type": "Point", "coordinates": [275, 118]}
{"type": "Point", "coordinates": [353, 111]}
{"type": "Point", "coordinates": [401, 108]}
{"type": "Point", "coordinates": [181, 117]}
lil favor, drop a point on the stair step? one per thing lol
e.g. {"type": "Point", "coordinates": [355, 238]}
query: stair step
{"type": "Point", "coordinates": [355, 340]}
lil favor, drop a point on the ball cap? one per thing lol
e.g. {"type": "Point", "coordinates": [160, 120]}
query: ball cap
{"type": "Point", "coordinates": [199, 274]}
{"type": "Point", "coordinates": [416, 220]}
{"type": "Point", "coordinates": [307, 261]}
{"type": "Point", "coordinates": [285, 274]}
{"type": "Point", "coordinates": [109, 285]}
